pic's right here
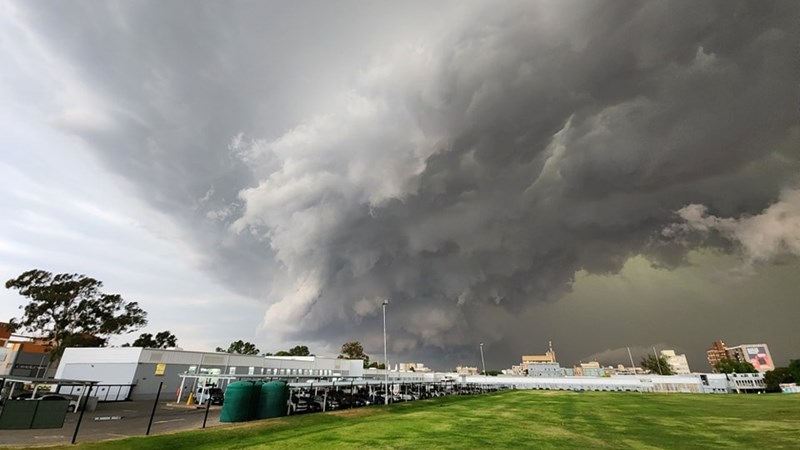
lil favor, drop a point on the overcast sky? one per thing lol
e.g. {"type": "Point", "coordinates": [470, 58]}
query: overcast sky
{"type": "Point", "coordinates": [600, 174]}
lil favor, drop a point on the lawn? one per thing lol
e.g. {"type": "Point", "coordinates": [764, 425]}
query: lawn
{"type": "Point", "coordinates": [517, 419]}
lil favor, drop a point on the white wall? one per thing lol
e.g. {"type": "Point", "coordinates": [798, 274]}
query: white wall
{"type": "Point", "coordinates": [655, 383]}
{"type": "Point", "coordinates": [104, 373]}
{"type": "Point", "coordinates": [104, 365]}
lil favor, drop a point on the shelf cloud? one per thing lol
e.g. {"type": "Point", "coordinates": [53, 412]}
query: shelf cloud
{"type": "Point", "coordinates": [464, 168]}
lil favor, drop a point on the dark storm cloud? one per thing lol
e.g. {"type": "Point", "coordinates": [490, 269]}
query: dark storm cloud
{"type": "Point", "coordinates": [463, 173]}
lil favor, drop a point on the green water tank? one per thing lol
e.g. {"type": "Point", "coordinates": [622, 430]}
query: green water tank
{"type": "Point", "coordinates": [238, 404]}
{"type": "Point", "coordinates": [255, 399]}
{"type": "Point", "coordinates": [272, 401]}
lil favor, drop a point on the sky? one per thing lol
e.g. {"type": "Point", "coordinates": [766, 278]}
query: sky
{"type": "Point", "coordinates": [601, 175]}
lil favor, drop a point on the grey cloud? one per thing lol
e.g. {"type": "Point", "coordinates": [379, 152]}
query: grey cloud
{"type": "Point", "coordinates": [465, 174]}
{"type": "Point", "coordinates": [761, 238]}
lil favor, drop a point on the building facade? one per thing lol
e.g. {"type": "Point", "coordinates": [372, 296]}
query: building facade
{"type": "Point", "coordinates": [539, 366]}
{"type": "Point", "coordinates": [756, 354]}
{"type": "Point", "coordinates": [590, 369]}
{"type": "Point", "coordinates": [678, 363]}
{"type": "Point", "coordinates": [542, 370]}
{"type": "Point", "coordinates": [716, 354]}
{"type": "Point", "coordinates": [548, 357]}
{"type": "Point", "coordinates": [413, 367]}
{"type": "Point", "coordinates": [23, 356]}
{"type": "Point", "coordinates": [142, 370]}
{"type": "Point", "coordinates": [5, 334]}
{"type": "Point", "coordinates": [466, 370]}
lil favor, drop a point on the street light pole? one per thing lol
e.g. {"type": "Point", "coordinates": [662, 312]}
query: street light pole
{"type": "Point", "coordinates": [385, 360]}
{"type": "Point", "coordinates": [483, 361]}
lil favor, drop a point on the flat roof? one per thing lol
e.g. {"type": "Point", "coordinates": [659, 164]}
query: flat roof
{"type": "Point", "coordinates": [61, 381]}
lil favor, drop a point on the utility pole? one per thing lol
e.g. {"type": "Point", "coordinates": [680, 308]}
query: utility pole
{"type": "Point", "coordinates": [483, 361]}
{"type": "Point", "coordinates": [633, 366]}
{"type": "Point", "coordinates": [385, 358]}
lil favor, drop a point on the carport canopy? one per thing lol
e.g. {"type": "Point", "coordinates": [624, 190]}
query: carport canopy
{"type": "Point", "coordinates": [37, 382]}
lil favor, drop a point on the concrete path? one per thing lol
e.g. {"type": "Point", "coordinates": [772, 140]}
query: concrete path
{"type": "Point", "coordinates": [114, 421]}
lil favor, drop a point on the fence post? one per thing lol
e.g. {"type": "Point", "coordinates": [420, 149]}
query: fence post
{"type": "Point", "coordinates": [155, 405]}
{"type": "Point", "coordinates": [208, 407]}
{"type": "Point", "coordinates": [80, 417]}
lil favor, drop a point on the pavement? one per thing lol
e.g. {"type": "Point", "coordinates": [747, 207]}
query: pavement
{"type": "Point", "coordinates": [114, 421]}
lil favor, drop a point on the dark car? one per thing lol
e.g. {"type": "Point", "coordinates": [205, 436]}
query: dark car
{"type": "Point", "coordinates": [342, 400]}
{"type": "Point", "coordinates": [216, 396]}
{"type": "Point", "coordinates": [23, 396]}
{"type": "Point", "coordinates": [55, 397]}
{"type": "Point", "coordinates": [46, 396]}
{"type": "Point", "coordinates": [360, 400]}
{"type": "Point", "coordinates": [302, 404]}
{"type": "Point", "coordinates": [329, 402]}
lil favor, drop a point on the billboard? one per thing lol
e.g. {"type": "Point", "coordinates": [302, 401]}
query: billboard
{"type": "Point", "coordinates": [759, 357]}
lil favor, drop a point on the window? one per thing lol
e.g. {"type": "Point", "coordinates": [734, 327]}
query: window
{"type": "Point", "coordinates": [192, 369]}
{"type": "Point", "coordinates": [251, 370]}
{"type": "Point", "coordinates": [232, 370]}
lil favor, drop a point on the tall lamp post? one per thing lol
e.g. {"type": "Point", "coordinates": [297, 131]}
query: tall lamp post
{"type": "Point", "coordinates": [385, 359]}
{"type": "Point", "coordinates": [483, 361]}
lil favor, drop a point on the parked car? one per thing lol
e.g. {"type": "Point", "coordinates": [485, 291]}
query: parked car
{"type": "Point", "coordinates": [24, 396]}
{"type": "Point", "coordinates": [71, 406]}
{"type": "Point", "coordinates": [300, 404]}
{"type": "Point", "coordinates": [330, 403]}
{"type": "Point", "coordinates": [216, 396]}
{"type": "Point", "coordinates": [359, 401]}
{"type": "Point", "coordinates": [48, 396]}
{"type": "Point", "coordinates": [209, 392]}
{"type": "Point", "coordinates": [344, 401]}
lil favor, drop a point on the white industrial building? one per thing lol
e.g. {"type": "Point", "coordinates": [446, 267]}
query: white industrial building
{"type": "Point", "coordinates": [137, 372]}
{"type": "Point", "coordinates": [716, 383]}
{"type": "Point", "coordinates": [711, 383]}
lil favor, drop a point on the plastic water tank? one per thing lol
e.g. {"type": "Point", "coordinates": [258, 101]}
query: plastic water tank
{"type": "Point", "coordinates": [272, 401]}
{"type": "Point", "coordinates": [255, 399]}
{"type": "Point", "coordinates": [238, 404]}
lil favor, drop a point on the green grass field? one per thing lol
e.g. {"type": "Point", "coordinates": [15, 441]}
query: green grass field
{"type": "Point", "coordinates": [517, 419]}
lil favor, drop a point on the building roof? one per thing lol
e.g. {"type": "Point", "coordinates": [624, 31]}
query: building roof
{"type": "Point", "coordinates": [59, 381]}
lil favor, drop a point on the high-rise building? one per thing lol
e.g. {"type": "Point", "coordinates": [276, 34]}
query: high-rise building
{"type": "Point", "coordinates": [678, 363]}
{"type": "Point", "coordinates": [756, 354]}
{"type": "Point", "coordinates": [716, 354]}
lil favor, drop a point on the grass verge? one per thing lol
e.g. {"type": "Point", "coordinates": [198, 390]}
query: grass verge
{"type": "Point", "coordinates": [515, 419]}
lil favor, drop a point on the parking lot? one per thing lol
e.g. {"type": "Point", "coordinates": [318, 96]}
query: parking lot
{"type": "Point", "coordinates": [114, 421]}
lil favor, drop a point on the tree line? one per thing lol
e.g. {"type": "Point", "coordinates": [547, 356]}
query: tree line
{"type": "Point", "coordinates": [782, 375]}
{"type": "Point", "coordinates": [71, 310]}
